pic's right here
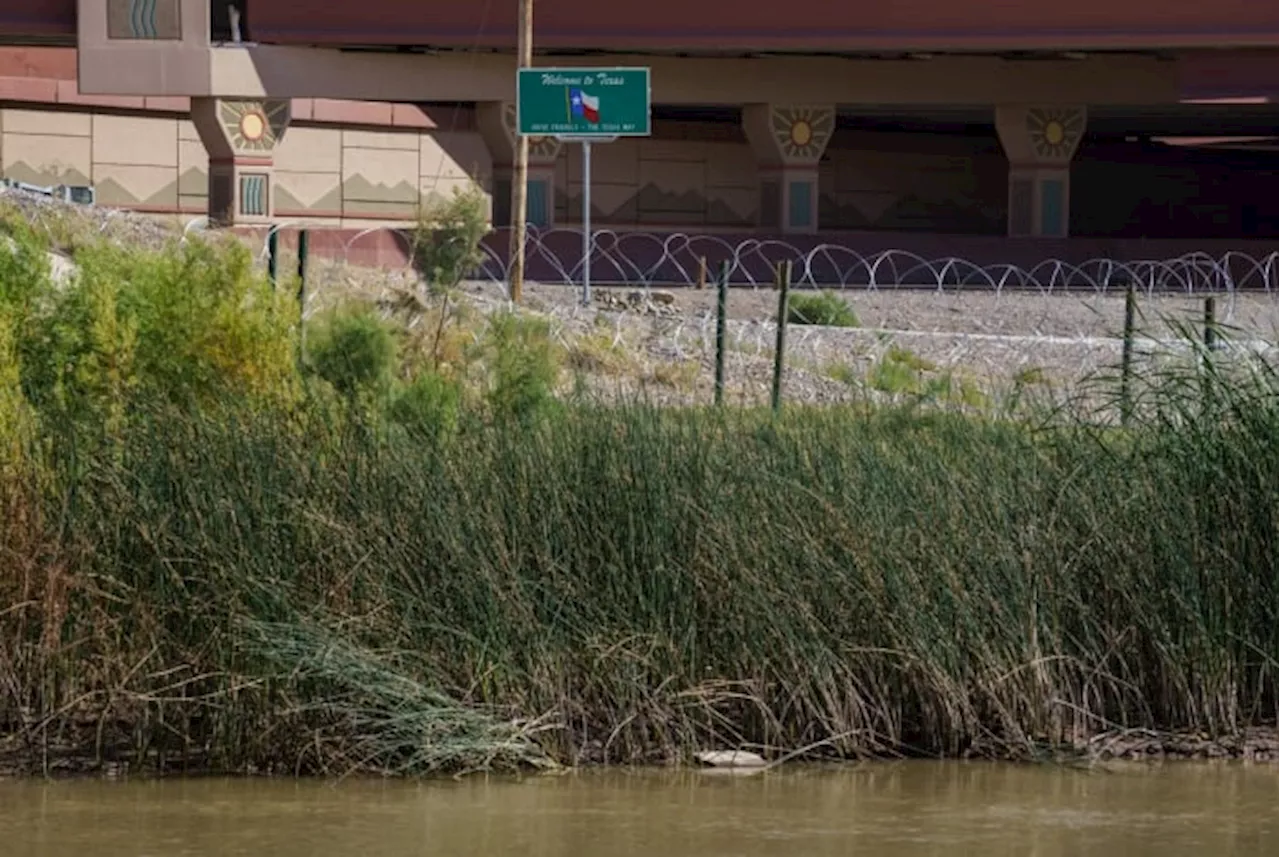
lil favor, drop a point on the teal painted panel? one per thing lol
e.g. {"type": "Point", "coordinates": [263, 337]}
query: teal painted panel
{"type": "Point", "coordinates": [1053, 215]}
{"type": "Point", "coordinates": [800, 205]}
{"type": "Point", "coordinates": [253, 195]}
{"type": "Point", "coordinates": [538, 212]}
{"type": "Point", "coordinates": [582, 102]}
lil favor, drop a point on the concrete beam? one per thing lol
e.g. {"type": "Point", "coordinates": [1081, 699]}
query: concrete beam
{"type": "Point", "coordinates": [261, 71]}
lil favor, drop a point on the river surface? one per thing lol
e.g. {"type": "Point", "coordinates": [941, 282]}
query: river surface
{"type": "Point", "coordinates": [895, 809]}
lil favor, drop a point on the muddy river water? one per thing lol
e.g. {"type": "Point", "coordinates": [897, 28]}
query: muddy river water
{"type": "Point", "coordinates": [906, 809]}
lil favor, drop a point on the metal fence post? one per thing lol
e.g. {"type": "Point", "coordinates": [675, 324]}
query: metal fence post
{"type": "Point", "coordinates": [303, 248]}
{"type": "Point", "coordinates": [1126, 355]}
{"type": "Point", "coordinates": [783, 280]}
{"type": "Point", "coordinates": [1210, 324]}
{"type": "Point", "coordinates": [1210, 343]}
{"type": "Point", "coordinates": [722, 310]}
{"type": "Point", "coordinates": [273, 255]}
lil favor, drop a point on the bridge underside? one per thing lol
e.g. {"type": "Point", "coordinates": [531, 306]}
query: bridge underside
{"type": "Point", "coordinates": [1017, 121]}
{"type": "Point", "coordinates": [743, 26]}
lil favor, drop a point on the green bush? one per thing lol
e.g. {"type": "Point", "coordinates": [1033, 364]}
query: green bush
{"type": "Point", "coordinates": [209, 323]}
{"type": "Point", "coordinates": [355, 351]}
{"type": "Point", "coordinates": [824, 308]}
{"type": "Point", "coordinates": [24, 270]}
{"type": "Point", "coordinates": [445, 244]}
{"type": "Point", "coordinates": [523, 365]}
{"type": "Point", "coordinates": [191, 324]}
{"type": "Point", "coordinates": [428, 406]}
{"type": "Point", "coordinates": [12, 402]}
{"type": "Point", "coordinates": [81, 360]}
{"type": "Point", "coordinates": [900, 371]}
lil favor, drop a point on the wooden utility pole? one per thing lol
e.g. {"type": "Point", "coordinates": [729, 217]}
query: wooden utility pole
{"type": "Point", "coordinates": [520, 182]}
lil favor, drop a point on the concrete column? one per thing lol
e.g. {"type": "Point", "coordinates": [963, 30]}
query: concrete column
{"type": "Point", "coordinates": [1040, 142]}
{"type": "Point", "coordinates": [788, 141]}
{"type": "Point", "coordinates": [496, 121]}
{"type": "Point", "coordinates": [241, 137]}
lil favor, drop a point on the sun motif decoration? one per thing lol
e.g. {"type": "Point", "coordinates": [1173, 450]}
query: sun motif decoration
{"type": "Point", "coordinates": [801, 132]}
{"type": "Point", "coordinates": [1055, 131]}
{"type": "Point", "coordinates": [254, 126]}
{"type": "Point", "coordinates": [543, 148]}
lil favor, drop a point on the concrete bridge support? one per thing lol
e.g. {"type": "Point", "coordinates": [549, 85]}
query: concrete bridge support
{"type": "Point", "coordinates": [788, 141]}
{"type": "Point", "coordinates": [497, 124]}
{"type": "Point", "coordinates": [1040, 141]}
{"type": "Point", "coordinates": [241, 136]}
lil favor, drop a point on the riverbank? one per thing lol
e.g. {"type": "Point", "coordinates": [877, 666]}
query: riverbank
{"type": "Point", "coordinates": [629, 585]}
{"type": "Point", "coordinates": [418, 544]}
{"type": "Point", "coordinates": [1254, 745]}
{"type": "Point", "coordinates": [82, 757]}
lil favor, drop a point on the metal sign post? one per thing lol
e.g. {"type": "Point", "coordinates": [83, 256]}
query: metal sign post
{"type": "Point", "coordinates": [587, 236]}
{"type": "Point", "coordinates": [586, 222]}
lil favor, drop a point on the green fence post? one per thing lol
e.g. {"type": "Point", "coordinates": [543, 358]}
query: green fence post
{"type": "Point", "coordinates": [783, 280]}
{"type": "Point", "coordinates": [273, 255]}
{"type": "Point", "coordinates": [1210, 342]}
{"type": "Point", "coordinates": [722, 310]}
{"type": "Point", "coordinates": [1210, 324]}
{"type": "Point", "coordinates": [303, 248]}
{"type": "Point", "coordinates": [1126, 355]}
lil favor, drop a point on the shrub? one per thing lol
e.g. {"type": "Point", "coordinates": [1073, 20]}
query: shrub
{"type": "Point", "coordinates": [209, 324]}
{"type": "Point", "coordinates": [900, 370]}
{"type": "Point", "coordinates": [12, 403]}
{"type": "Point", "coordinates": [599, 353]}
{"type": "Point", "coordinates": [188, 324]}
{"type": "Point", "coordinates": [823, 308]}
{"type": "Point", "coordinates": [80, 361]}
{"type": "Point", "coordinates": [24, 270]}
{"type": "Point", "coordinates": [355, 351]}
{"type": "Point", "coordinates": [523, 365]}
{"type": "Point", "coordinates": [428, 406]}
{"type": "Point", "coordinates": [844, 373]}
{"type": "Point", "coordinates": [445, 246]}
{"type": "Point", "coordinates": [952, 389]}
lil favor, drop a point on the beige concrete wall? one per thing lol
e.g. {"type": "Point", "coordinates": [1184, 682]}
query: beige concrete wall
{"type": "Point", "coordinates": [912, 182]}
{"type": "Point", "coordinates": [687, 177]}
{"type": "Point", "coordinates": [660, 183]}
{"type": "Point", "coordinates": [866, 181]}
{"type": "Point", "coordinates": [46, 147]}
{"type": "Point", "coordinates": [157, 163]}
{"type": "Point", "coordinates": [380, 173]}
{"type": "Point", "coordinates": [193, 169]}
{"type": "Point", "coordinates": [453, 160]}
{"type": "Point", "coordinates": [154, 163]}
{"type": "Point", "coordinates": [308, 173]}
{"type": "Point", "coordinates": [337, 174]}
{"type": "Point", "coordinates": [135, 160]}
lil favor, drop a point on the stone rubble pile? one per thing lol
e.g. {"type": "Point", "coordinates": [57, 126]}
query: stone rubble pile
{"type": "Point", "coordinates": [655, 303]}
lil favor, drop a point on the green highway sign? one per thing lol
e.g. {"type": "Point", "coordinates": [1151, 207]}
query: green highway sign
{"type": "Point", "coordinates": [582, 102]}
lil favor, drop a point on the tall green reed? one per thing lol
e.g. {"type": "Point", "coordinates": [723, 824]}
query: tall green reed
{"type": "Point", "coordinates": [500, 576]}
{"type": "Point", "coordinates": [654, 581]}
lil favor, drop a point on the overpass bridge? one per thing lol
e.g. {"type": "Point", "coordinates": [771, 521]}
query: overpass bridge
{"type": "Point", "coordinates": [789, 117]}
{"type": "Point", "coordinates": [667, 26]}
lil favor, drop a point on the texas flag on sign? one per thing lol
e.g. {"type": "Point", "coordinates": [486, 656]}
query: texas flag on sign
{"type": "Point", "coordinates": [585, 106]}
